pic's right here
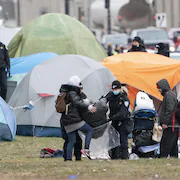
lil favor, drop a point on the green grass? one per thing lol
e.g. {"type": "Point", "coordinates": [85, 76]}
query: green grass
{"type": "Point", "coordinates": [21, 159]}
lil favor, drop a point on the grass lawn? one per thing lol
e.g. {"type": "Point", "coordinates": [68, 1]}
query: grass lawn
{"type": "Point", "coordinates": [20, 160]}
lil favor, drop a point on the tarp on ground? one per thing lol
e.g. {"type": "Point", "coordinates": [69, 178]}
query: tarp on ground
{"type": "Point", "coordinates": [42, 84]}
{"type": "Point", "coordinates": [58, 33]}
{"type": "Point", "coordinates": [22, 65]}
{"type": "Point", "coordinates": [141, 71]}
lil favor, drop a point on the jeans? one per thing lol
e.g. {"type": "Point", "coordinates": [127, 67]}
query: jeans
{"type": "Point", "coordinates": [3, 83]}
{"type": "Point", "coordinates": [86, 128]}
{"type": "Point", "coordinates": [77, 145]}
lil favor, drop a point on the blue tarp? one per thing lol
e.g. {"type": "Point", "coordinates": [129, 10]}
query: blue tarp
{"type": "Point", "coordinates": [23, 65]}
{"type": "Point", "coordinates": [7, 122]}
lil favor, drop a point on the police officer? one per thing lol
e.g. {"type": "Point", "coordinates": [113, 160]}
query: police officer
{"type": "Point", "coordinates": [119, 105]}
{"type": "Point", "coordinates": [4, 68]}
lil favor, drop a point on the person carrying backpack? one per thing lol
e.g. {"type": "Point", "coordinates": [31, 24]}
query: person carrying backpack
{"type": "Point", "coordinates": [71, 119]}
{"type": "Point", "coordinates": [168, 144]}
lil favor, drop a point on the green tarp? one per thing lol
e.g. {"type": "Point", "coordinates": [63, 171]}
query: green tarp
{"type": "Point", "coordinates": [56, 33]}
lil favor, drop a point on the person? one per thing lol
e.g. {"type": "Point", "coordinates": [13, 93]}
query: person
{"type": "Point", "coordinates": [78, 143]}
{"type": "Point", "coordinates": [117, 49]}
{"type": "Point", "coordinates": [137, 45]}
{"type": "Point", "coordinates": [119, 105]}
{"type": "Point", "coordinates": [109, 49]}
{"type": "Point", "coordinates": [4, 68]}
{"type": "Point", "coordinates": [162, 49]}
{"type": "Point", "coordinates": [168, 144]}
{"type": "Point", "coordinates": [71, 120]}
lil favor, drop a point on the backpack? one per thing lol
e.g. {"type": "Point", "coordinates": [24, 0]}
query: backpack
{"type": "Point", "coordinates": [60, 103]}
{"type": "Point", "coordinates": [143, 101]}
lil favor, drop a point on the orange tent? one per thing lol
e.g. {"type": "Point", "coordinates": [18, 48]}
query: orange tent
{"type": "Point", "coordinates": [141, 71]}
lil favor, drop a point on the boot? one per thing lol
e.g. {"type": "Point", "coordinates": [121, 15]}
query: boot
{"type": "Point", "coordinates": [125, 154]}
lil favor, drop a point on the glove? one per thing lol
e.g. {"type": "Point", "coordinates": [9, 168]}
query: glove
{"type": "Point", "coordinates": [9, 72]}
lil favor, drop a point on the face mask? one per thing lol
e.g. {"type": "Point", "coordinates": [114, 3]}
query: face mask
{"type": "Point", "coordinates": [116, 92]}
{"type": "Point", "coordinates": [156, 51]}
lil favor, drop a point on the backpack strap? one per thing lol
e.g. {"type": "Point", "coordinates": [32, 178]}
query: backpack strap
{"type": "Point", "coordinates": [173, 121]}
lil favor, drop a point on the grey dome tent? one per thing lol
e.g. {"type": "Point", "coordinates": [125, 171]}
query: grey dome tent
{"type": "Point", "coordinates": [41, 85]}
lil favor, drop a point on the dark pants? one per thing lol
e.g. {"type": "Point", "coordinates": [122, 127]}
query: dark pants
{"type": "Point", "coordinates": [122, 151]}
{"type": "Point", "coordinates": [3, 83]}
{"type": "Point", "coordinates": [86, 128]}
{"type": "Point", "coordinates": [77, 146]}
{"type": "Point", "coordinates": [169, 143]}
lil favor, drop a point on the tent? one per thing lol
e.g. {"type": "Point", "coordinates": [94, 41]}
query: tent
{"type": "Point", "coordinates": [42, 84]}
{"type": "Point", "coordinates": [58, 33]}
{"type": "Point", "coordinates": [141, 71]}
{"type": "Point", "coordinates": [7, 122]}
{"type": "Point", "coordinates": [22, 65]}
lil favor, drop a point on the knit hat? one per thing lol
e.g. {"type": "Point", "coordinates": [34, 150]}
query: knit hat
{"type": "Point", "coordinates": [74, 81]}
{"type": "Point", "coordinates": [160, 46]}
{"type": "Point", "coordinates": [116, 84]}
{"type": "Point", "coordinates": [138, 39]}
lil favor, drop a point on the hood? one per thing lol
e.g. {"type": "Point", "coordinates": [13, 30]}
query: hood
{"type": "Point", "coordinates": [164, 85]}
{"type": "Point", "coordinates": [67, 88]}
{"type": "Point", "coordinates": [124, 89]}
{"type": "Point", "coordinates": [74, 81]}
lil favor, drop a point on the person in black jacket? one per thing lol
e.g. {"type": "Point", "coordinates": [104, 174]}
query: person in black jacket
{"type": "Point", "coordinates": [168, 144]}
{"type": "Point", "coordinates": [78, 143]}
{"type": "Point", "coordinates": [162, 49]}
{"type": "Point", "coordinates": [72, 120]}
{"type": "Point", "coordinates": [137, 45]}
{"type": "Point", "coordinates": [4, 68]}
{"type": "Point", "coordinates": [119, 105]}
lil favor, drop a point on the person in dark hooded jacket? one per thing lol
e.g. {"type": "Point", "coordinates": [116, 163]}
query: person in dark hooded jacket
{"type": "Point", "coordinates": [162, 49]}
{"type": "Point", "coordinates": [137, 45]}
{"type": "Point", "coordinates": [71, 119]}
{"type": "Point", "coordinates": [168, 144]}
{"type": "Point", "coordinates": [78, 143]}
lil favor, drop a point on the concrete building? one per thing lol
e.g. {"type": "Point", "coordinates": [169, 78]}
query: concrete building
{"type": "Point", "coordinates": [23, 11]}
{"type": "Point", "coordinates": [172, 9]}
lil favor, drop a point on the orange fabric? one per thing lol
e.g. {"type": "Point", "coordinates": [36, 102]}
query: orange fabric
{"type": "Point", "coordinates": [141, 71]}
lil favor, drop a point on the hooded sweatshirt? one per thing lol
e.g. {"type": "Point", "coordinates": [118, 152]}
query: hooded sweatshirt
{"type": "Point", "coordinates": [169, 103]}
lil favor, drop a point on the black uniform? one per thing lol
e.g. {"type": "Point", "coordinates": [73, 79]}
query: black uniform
{"type": "Point", "coordinates": [4, 65]}
{"type": "Point", "coordinates": [119, 115]}
{"type": "Point", "coordinates": [169, 139]}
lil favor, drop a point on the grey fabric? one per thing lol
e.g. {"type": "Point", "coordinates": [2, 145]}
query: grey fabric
{"type": "Point", "coordinates": [169, 103]}
{"type": "Point", "coordinates": [97, 118]}
{"type": "Point", "coordinates": [5, 133]}
{"type": "Point", "coordinates": [48, 77]}
{"type": "Point", "coordinates": [74, 127]}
